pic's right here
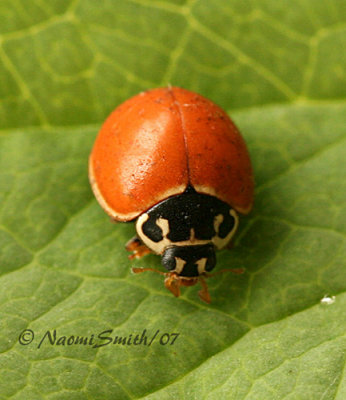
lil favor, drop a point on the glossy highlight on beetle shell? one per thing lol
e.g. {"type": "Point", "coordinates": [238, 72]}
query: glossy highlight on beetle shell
{"type": "Point", "coordinates": [158, 143]}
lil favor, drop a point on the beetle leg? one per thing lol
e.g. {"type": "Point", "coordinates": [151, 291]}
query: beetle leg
{"type": "Point", "coordinates": [204, 293]}
{"type": "Point", "coordinates": [137, 248]}
{"type": "Point", "coordinates": [173, 284]}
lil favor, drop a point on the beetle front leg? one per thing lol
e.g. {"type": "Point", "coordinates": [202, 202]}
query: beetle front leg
{"type": "Point", "coordinates": [138, 249]}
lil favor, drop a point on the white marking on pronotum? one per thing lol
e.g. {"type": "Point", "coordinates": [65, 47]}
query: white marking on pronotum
{"type": "Point", "coordinates": [156, 247]}
{"type": "Point", "coordinates": [159, 247]}
{"type": "Point", "coordinates": [222, 242]}
{"type": "Point", "coordinates": [217, 222]}
{"type": "Point", "coordinates": [164, 225]}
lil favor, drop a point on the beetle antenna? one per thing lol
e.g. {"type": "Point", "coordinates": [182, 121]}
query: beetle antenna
{"type": "Point", "coordinates": [172, 283]}
{"type": "Point", "coordinates": [237, 271]}
{"type": "Point", "coordinates": [139, 270]}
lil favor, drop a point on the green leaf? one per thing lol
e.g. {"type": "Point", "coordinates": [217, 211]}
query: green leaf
{"type": "Point", "coordinates": [279, 69]}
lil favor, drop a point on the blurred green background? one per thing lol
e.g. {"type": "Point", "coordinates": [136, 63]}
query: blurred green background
{"type": "Point", "coordinates": [278, 68]}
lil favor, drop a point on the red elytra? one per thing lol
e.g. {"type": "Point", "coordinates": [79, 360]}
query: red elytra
{"type": "Point", "coordinates": [159, 142]}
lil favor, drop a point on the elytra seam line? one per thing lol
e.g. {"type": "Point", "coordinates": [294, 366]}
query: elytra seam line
{"type": "Point", "coordinates": [177, 104]}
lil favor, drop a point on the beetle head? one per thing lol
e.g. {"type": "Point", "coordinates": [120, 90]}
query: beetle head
{"type": "Point", "coordinates": [189, 261]}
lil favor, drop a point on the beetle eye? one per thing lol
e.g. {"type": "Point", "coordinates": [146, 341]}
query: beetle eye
{"type": "Point", "coordinates": [168, 259]}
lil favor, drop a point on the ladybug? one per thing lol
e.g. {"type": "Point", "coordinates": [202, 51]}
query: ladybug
{"type": "Point", "coordinates": [175, 162]}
